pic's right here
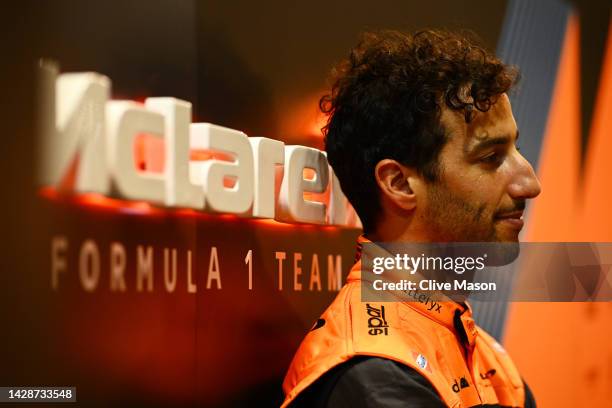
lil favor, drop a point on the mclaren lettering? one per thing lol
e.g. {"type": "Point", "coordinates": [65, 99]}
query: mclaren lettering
{"type": "Point", "coordinates": [89, 139]}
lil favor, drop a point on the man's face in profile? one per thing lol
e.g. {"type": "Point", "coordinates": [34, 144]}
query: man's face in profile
{"type": "Point", "coordinates": [484, 181]}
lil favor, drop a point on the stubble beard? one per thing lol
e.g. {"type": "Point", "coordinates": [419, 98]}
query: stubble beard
{"type": "Point", "coordinates": [451, 218]}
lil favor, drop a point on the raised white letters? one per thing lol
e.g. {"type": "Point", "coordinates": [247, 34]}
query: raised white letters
{"type": "Point", "coordinates": [291, 203]}
{"type": "Point", "coordinates": [180, 191]}
{"type": "Point", "coordinates": [267, 153]}
{"type": "Point", "coordinates": [87, 145]}
{"type": "Point", "coordinates": [215, 175]}
{"type": "Point", "coordinates": [124, 121]}
{"type": "Point", "coordinates": [72, 136]}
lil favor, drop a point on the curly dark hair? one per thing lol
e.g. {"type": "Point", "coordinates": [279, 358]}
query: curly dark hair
{"type": "Point", "coordinates": [386, 102]}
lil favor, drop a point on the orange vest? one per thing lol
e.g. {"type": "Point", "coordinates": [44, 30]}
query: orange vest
{"type": "Point", "coordinates": [465, 369]}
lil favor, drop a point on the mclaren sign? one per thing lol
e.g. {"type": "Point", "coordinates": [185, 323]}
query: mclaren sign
{"type": "Point", "coordinates": [90, 139]}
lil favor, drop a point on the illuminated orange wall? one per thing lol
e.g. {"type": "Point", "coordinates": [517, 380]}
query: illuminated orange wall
{"type": "Point", "coordinates": [564, 350]}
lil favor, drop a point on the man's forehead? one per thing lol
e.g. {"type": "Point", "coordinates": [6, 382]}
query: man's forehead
{"type": "Point", "coordinates": [497, 121]}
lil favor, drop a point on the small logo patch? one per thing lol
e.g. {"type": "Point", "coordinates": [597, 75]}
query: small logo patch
{"type": "Point", "coordinates": [377, 324]}
{"type": "Point", "coordinates": [421, 361]}
{"type": "Point", "coordinates": [460, 384]}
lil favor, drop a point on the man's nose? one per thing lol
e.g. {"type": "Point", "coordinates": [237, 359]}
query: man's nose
{"type": "Point", "coordinates": [525, 183]}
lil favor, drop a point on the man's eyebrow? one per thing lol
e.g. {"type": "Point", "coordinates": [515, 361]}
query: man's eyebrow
{"type": "Point", "coordinates": [490, 142]}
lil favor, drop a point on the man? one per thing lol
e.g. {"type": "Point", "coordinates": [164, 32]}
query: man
{"type": "Point", "coordinates": [423, 141]}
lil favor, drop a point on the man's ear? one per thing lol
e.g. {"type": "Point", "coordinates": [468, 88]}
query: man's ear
{"type": "Point", "coordinates": [398, 183]}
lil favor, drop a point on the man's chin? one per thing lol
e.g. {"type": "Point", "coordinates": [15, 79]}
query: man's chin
{"type": "Point", "coordinates": [509, 238]}
{"type": "Point", "coordinates": [503, 233]}
{"type": "Point", "coordinates": [503, 254]}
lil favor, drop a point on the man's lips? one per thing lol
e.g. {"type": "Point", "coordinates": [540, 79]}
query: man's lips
{"type": "Point", "coordinates": [512, 219]}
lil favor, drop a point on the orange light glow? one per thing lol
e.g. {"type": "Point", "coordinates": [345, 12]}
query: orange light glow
{"type": "Point", "coordinates": [203, 155]}
{"type": "Point", "coordinates": [303, 123]}
{"type": "Point", "coordinates": [149, 153]}
{"type": "Point", "coordinates": [99, 202]}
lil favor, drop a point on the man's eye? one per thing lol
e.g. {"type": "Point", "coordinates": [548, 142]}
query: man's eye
{"type": "Point", "coordinates": [492, 158]}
